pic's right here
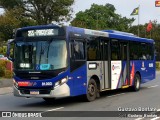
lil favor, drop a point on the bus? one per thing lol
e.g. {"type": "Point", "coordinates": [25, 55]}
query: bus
{"type": "Point", "coordinates": [53, 61]}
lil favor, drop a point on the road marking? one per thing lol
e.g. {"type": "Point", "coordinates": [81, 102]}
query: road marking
{"type": "Point", "coordinates": [155, 118]}
{"type": "Point", "coordinates": [53, 109]}
{"type": "Point", "coordinates": [139, 118]}
{"type": "Point", "coordinates": [158, 110]}
{"type": "Point", "coordinates": [116, 95]}
{"type": "Point", "coordinates": [153, 86]}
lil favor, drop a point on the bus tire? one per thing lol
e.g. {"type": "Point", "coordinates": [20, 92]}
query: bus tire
{"type": "Point", "coordinates": [49, 100]}
{"type": "Point", "coordinates": [137, 81]}
{"type": "Point", "coordinates": [91, 90]}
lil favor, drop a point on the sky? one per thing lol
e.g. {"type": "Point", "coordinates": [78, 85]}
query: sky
{"type": "Point", "coordinates": [147, 11]}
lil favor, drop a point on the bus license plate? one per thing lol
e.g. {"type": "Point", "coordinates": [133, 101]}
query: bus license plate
{"type": "Point", "coordinates": [34, 92]}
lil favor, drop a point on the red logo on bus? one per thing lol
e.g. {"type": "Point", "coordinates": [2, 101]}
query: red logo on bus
{"type": "Point", "coordinates": [23, 84]}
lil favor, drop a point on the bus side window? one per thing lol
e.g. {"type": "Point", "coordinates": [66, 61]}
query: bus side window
{"type": "Point", "coordinates": [93, 50]}
{"type": "Point", "coordinates": [115, 50]}
{"type": "Point", "coordinates": [78, 52]}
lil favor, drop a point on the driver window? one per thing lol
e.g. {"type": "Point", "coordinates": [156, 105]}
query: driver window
{"type": "Point", "coordinates": [78, 50]}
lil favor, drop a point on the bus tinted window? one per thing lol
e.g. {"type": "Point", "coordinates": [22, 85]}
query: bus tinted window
{"type": "Point", "coordinates": [115, 50]}
{"type": "Point", "coordinates": [78, 50]}
{"type": "Point", "coordinates": [141, 51]}
{"type": "Point", "coordinates": [149, 52]}
{"type": "Point", "coordinates": [93, 50]}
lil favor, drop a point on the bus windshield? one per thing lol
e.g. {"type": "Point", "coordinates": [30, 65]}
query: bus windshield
{"type": "Point", "coordinates": [40, 55]}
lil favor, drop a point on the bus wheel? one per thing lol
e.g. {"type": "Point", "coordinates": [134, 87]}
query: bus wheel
{"type": "Point", "coordinates": [137, 81]}
{"type": "Point", "coordinates": [91, 90]}
{"type": "Point", "coordinates": [49, 100]}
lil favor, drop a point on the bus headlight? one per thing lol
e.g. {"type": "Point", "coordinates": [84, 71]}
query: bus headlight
{"type": "Point", "coordinates": [60, 82]}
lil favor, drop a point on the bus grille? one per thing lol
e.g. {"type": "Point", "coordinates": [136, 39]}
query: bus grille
{"type": "Point", "coordinates": [26, 91]}
{"type": "Point", "coordinates": [34, 77]}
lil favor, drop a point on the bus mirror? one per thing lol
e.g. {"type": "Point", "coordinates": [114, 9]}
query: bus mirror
{"type": "Point", "coordinates": [10, 47]}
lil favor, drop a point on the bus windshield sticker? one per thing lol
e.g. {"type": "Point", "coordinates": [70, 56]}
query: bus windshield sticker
{"type": "Point", "coordinates": [45, 66]}
{"type": "Point", "coordinates": [24, 65]}
{"type": "Point", "coordinates": [37, 66]}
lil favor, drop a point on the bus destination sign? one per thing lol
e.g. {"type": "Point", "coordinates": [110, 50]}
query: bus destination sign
{"type": "Point", "coordinates": [42, 32]}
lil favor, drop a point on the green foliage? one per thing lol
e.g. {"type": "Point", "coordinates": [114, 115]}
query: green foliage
{"type": "Point", "coordinates": [9, 4]}
{"type": "Point", "coordinates": [2, 67]}
{"type": "Point", "coordinates": [3, 63]}
{"type": "Point", "coordinates": [42, 11]}
{"type": "Point", "coordinates": [158, 65]}
{"type": "Point", "coordinates": [3, 71]}
{"type": "Point", "coordinates": [8, 74]}
{"type": "Point", "coordinates": [11, 20]}
{"type": "Point", "coordinates": [3, 50]}
{"type": "Point", "coordinates": [21, 13]}
{"type": "Point", "coordinates": [101, 17]}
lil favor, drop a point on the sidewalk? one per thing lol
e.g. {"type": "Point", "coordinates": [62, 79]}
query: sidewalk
{"type": "Point", "coordinates": [4, 82]}
{"type": "Point", "coordinates": [6, 90]}
{"type": "Point", "coordinates": [5, 86]}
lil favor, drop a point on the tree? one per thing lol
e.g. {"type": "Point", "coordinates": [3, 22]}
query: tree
{"type": "Point", "coordinates": [42, 11]}
{"type": "Point", "coordinates": [11, 20]}
{"type": "Point", "coordinates": [101, 17]}
{"type": "Point", "coordinates": [153, 34]}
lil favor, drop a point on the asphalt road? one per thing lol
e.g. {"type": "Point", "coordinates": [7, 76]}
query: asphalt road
{"type": "Point", "coordinates": [147, 98]}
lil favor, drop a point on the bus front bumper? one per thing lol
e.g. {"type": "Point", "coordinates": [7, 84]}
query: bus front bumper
{"type": "Point", "coordinates": [58, 92]}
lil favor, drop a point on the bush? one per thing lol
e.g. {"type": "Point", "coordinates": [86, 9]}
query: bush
{"type": "Point", "coordinates": [8, 74]}
{"type": "Point", "coordinates": [2, 67]}
{"type": "Point", "coordinates": [158, 65]}
{"type": "Point", "coordinates": [2, 71]}
{"type": "Point", "coordinates": [3, 63]}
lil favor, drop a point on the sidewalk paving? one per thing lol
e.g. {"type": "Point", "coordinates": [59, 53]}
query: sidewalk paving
{"type": "Point", "coordinates": [4, 82]}
{"type": "Point", "coordinates": [6, 90]}
{"type": "Point", "coordinates": [5, 86]}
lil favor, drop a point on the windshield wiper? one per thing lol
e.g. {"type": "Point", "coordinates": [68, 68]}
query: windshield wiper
{"type": "Point", "coordinates": [46, 46]}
